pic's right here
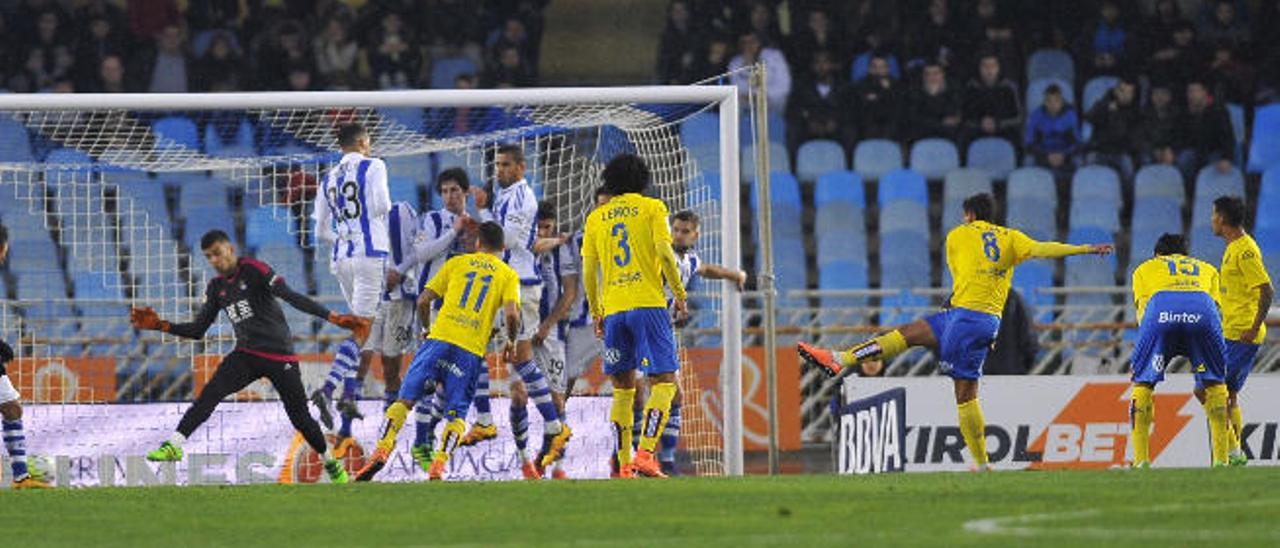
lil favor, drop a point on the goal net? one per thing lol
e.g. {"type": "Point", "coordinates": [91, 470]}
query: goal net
{"type": "Point", "coordinates": [106, 197]}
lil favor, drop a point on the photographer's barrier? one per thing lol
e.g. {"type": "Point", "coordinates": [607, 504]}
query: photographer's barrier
{"type": "Point", "coordinates": [1037, 422]}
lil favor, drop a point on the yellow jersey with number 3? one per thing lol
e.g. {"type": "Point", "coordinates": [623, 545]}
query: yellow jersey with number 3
{"type": "Point", "coordinates": [472, 289]}
{"type": "Point", "coordinates": [1242, 274]}
{"type": "Point", "coordinates": [623, 237]}
{"type": "Point", "coordinates": [1172, 273]}
{"type": "Point", "coordinates": [981, 257]}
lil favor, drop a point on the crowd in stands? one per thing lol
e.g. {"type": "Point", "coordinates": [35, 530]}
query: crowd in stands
{"type": "Point", "coordinates": [258, 45]}
{"type": "Point", "coordinates": [908, 70]}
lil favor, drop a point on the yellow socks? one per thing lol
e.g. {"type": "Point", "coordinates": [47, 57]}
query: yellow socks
{"type": "Point", "coordinates": [453, 432]}
{"type": "Point", "coordinates": [396, 415]}
{"type": "Point", "coordinates": [972, 427]}
{"type": "Point", "coordinates": [880, 348]}
{"type": "Point", "coordinates": [623, 418]}
{"type": "Point", "coordinates": [1215, 408]}
{"type": "Point", "coordinates": [1237, 427]}
{"type": "Point", "coordinates": [656, 412]}
{"type": "Point", "coordinates": [1141, 412]}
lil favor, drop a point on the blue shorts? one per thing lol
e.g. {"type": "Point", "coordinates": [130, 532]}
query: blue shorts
{"type": "Point", "coordinates": [964, 338]}
{"type": "Point", "coordinates": [640, 338]}
{"type": "Point", "coordinates": [1179, 323]}
{"type": "Point", "coordinates": [437, 361]}
{"type": "Point", "coordinates": [1240, 358]}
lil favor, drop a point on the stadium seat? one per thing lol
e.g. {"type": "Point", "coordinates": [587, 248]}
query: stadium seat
{"type": "Point", "coordinates": [1264, 145]}
{"type": "Point", "coordinates": [176, 131]}
{"type": "Point", "coordinates": [202, 220]}
{"type": "Point", "coordinates": [1100, 184]}
{"type": "Point", "coordinates": [818, 157]}
{"type": "Point", "coordinates": [287, 260]}
{"type": "Point", "coordinates": [445, 71]}
{"type": "Point", "coordinates": [411, 166]}
{"type": "Point", "coordinates": [1205, 246]}
{"type": "Point", "coordinates": [1028, 278]}
{"type": "Point", "coordinates": [904, 259]}
{"type": "Point", "coordinates": [779, 159]}
{"type": "Point", "coordinates": [66, 156]}
{"type": "Point", "coordinates": [993, 154]}
{"type": "Point", "coordinates": [1210, 184]}
{"type": "Point", "coordinates": [1035, 92]}
{"type": "Point", "coordinates": [1159, 181]}
{"type": "Point", "coordinates": [1090, 270]}
{"type": "Point", "coordinates": [409, 117]}
{"type": "Point", "coordinates": [266, 226]}
{"type": "Point", "coordinates": [1051, 63]}
{"type": "Point", "coordinates": [95, 286]}
{"type": "Point", "coordinates": [958, 185]}
{"type": "Point", "coordinates": [903, 216]}
{"type": "Point", "coordinates": [1095, 90]}
{"type": "Point", "coordinates": [706, 156]}
{"type": "Point", "coordinates": [1268, 199]}
{"type": "Point", "coordinates": [15, 142]}
{"type": "Point", "coordinates": [709, 180]}
{"type": "Point", "coordinates": [1152, 216]}
{"type": "Point", "coordinates": [933, 158]}
{"type": "Point", "coordinates": [875, 157]}
{"type": "Point", "coordinates": [241, 144]}
{"type": "Point", "coordinates": [784, 192]}
{"type": "Point", "coordinates": [842, 275]}
{"type": "Point", "coordinates": [701, 128]}
{"type": "Point", "coordinates": [862, 63]}
{"type": "Point", "coordinates": [903, 184]}
{"type": "Point", "coordinates": [201, 195]}
{"type": "Point", "coordinates": [839, 187]}
{"type": "Point", "coordinates": [1033, 182]}
{"type": "Point", "coordinates": [747, 128]}
{"type": "Point", "coordinates": [1033, 215]}
{"type": "Point", "coordinates": [1088, 212]}
{"type": "Point", "coordinates": [1235, 112]}
{"type": "Point", "coordinates": [840, 234]}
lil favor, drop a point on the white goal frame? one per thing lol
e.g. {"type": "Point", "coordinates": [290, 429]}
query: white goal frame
{"type": "Point", "coordinates": [725, 97]}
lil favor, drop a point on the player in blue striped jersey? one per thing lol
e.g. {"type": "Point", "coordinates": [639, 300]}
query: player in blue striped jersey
{"type": "Point", "coordinates": [351, 216]}
{"type": "Point", "coordinates": [559, 265]}
{"type": "Point", "coordinates": [515, 208]}
{"type": "Point", "coordinates": [15, 438]}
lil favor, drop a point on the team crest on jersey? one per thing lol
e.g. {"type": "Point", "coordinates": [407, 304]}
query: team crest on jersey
{"type": "Point", "coordinates": [611, 355]}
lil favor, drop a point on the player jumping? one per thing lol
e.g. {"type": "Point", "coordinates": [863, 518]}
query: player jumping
{"type": "Point", "coordinates": [1246, 298]}
{"type": "Point", "coordinates": [15, 440]}
{"type": "Point", "coordinates": [1176, 297]}
{"type": "Point", "coordinates": [247, 289]}
{"type": "Point", "coordinates": [472, 288]}
{"type": "Point", "coordinates": [981, 256]}
{"type": "Point", "coordinates": [351, 214]}
{"type": "Point", "coordinates": [627, 263]}
{"type": "Point", "coordinates": [558, 264]}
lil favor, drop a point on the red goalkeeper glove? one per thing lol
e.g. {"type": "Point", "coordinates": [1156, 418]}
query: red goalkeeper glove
{"type": "Point", "coordinates": [146, 318]}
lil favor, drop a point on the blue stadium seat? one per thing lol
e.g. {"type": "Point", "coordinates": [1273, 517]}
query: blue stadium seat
{"type": "Point", "coordinates": [777, 128]}
{"type": "Point", "coordinates": [176, 131]}
{"type": "Point", "coordinates": [68, 156]}
{"type": "Point", "coordinates": [700, 129]}
{"type": "Point", "coordinates": [779, 159]}
{"type": "Point", "coordinates": [958, 185]}
{"type": "Point", "coordinates": [839, 187]}
{"type": "Point", "coordinates": [1159, 181]}
{"type": "Point", "coordinates": [201, 194]}
{"type": "Point", "coordinates": [1264, 145]}
{"type": "Point", "coordinates": [409, 117]}
{"type": "Point", "coordinates": [710, 181]}
{"type": "Point", "coordinates": [201, 220]}
{"type": "Point", "coordinates": [148, 196]}
{"type": "Point", "coordinates": [41, 286]}
{"type": "Point", "coordinates": [15, 142]}
{"type": "Point", "coordinates": [1152, 216]}
{"type": "Point", "coordinates": [1090, 270]}
{"type": "Point", "coordinates": [784, 192]}
{"type": "Point", "coordinates": [1051, 63]}
{"type": "Point", "coordinates": [706, 156]}
{"type": "Point", "coordinates": [266, 226]}
{"type": "Point", "coordinates": [1032, 182]}
{"type": "Point", "coordinates": [840, 233]}
{"type": "Point", "coordinates": [241, 144]}
{"type": "Point", "coordinates": [1235, 112]}
{"type": "Point", "coordinates": [1086, 212]}
{"type": "Point", "coordinates": [858, 70]}
{"type": "Point", "coordinates": [412, 166]}
{"type": "Point", "coordinates": [903, 216]}
{"type": "Point", "coordinates": [1095, 90]}
{"type": "Point", "coordinates": [1034, 215]}
{"type": "Point", "coordinates": [445, 71]}
{"type": "Point", "coordinates": [1205, 246]}
{"type": "Point", "coordinates": [1097, 183]}
{"type": "Point", "coordinates": [1268, 199]}
{"type": "Point", "coordinates": [1210, 184]}
{"type": "Point", "coordinates": [326, 283]}
{"type": "Point", "coordinates": [67, 165]}
{"type": "Point", "coordinates": [818, 157]}
{"type": "Point", "coordinates": [287, 261]}
{"type": "Point", "coordinates": [903, 184]}
{"type": "Point", "coordinates": [933, 158]}
{"type": "Point", "coordinates": [904, 259]}
{"type": "Point", "coordinates": [875, 157]}
{"type": "Point", "coordinates": [35, 256]}
{"type": "Point", "coordinates": [1030, 276]}
{"type": "Point", "coordinates": [996, 155]}
{"type": "Point", "coordinates": [842, 275]}
{"type": "Point", "coordinates": [1035, 92]}
{"type": "Point", "coordinates": [94, 285]}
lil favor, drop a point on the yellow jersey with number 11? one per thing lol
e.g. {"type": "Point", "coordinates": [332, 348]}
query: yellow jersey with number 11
{"type": "Point", "coordinates": [472, 288]}
{"type": "Point", "coordinates": [624, 237]}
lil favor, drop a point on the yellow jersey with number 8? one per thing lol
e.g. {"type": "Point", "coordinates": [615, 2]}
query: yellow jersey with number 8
{"type": "Point", "coordinates": [623, 237]}
{"type": "Point", "coordinates": [472, 288]}
{"type": "Point", "coordinates": [981, 257]}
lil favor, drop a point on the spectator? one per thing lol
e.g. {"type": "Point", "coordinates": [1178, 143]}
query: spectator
{"type": "Point", "coordinates": [1015, 349]}
{"type": "Point", "coordinates": [513, 35]}
{"type": "Point", "coordinates": [301, 77]}
{"type": "Point", "coordinates": [993, 31]}
{"type": "Point", "coordinates": [869, 24]}
{"type": "Point", "coordinates": [48, 58]}
{"type": "Point", "coordinates": [777, 74]}
{"type": "Point", "coordinates": [147, 18]}
{"type": "Point", "coordinates": [217, 14]}
{"type": "Point", "coordinates": [1225, 25]}
{"type": "Point", "coordinates": [1052, 136]}
{"type": "Point", "coordinates": [1108, 41]}
{"type": "Point", "coordinates": [1159, 127]}
{"type": "Point", "coordinates": [761, 22]}
{"type": "Point", "coordinates": [395, 61]}
{"type": "Point", "coordinates": [1116, 128]}
{"type": "Point", "coordinates": [1204, 133]}
{"type": "Point", "coordinates": [111, 77]}
{"type": "Point", "coordinates": [1232, 79]}
{"type": "Point", "coordinates": [820, 106]}
{"type": "Point", "coordinates": [282, 49]}
{"type": "Point", "coordinates": [991, 107]}
{"type": "Point", "coordinates": [1178, 58]}
{"type": "Point", "coordinates": [714, 59]}
{"type": "Point", "coordinates": [878, 102]}
{"type": "Point", "coordinates": [678, 49]}
{"type": "Point", "coordinates": [99, 39]}
{"type": "Point", "coordinates": [817, 35]}
{"type": "Point", "coordinates": [937, 38]}
{"type": "Point", "coordinates": [1165, 18]}
{"type": "Point", "coordinates": [220, 69]}
{"type": "Point", "coordinates": [336, 54]}
{"type": "Point", "coordinates": [165, 66]}
{"type": "Point", "coordinates": [510, 71]}
{"type": "Point", "coordinates": [935, 108]}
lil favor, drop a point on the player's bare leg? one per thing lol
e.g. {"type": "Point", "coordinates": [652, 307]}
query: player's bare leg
{"type": "Point", "coordinates": [877, 349]}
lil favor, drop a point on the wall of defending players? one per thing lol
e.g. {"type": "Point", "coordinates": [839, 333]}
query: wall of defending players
{"type": "Point", "coordinates": [1037, 423]}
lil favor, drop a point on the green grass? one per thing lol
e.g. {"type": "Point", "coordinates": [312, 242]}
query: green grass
{"type": "Point", "coordinates": [1156, 507]}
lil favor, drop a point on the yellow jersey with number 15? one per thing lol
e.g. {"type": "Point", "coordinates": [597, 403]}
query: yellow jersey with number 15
{"type": "Point", "coordinates": [623, 237]}
{"type": "Point", "coordinates": [472, 288]}
{"type": "Point", "coordinates": [1172, 273]}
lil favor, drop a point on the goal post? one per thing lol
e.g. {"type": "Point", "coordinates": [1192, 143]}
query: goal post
{"type": "Point", "coordinates": [90, 161]}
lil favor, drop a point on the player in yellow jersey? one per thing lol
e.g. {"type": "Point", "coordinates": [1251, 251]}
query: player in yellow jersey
{"type": "Point", "coordinates": [1176, 297]}
{"type": "Point", "coordinates": [1246, 298]}
{"type": "Point", "coordinates": [473, 287]}
{"type": "Point", "coordinates": [626, 257]}
{"type": "Point", "coordinates": [981, 256]}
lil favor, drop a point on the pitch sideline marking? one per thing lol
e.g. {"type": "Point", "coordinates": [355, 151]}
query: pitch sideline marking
{"type": "Point", "coordinates": [1023, 525]}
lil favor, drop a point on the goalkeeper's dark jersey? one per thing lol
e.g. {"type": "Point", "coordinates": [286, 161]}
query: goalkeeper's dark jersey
{"type": "Point", "coordinates": [249, 298]}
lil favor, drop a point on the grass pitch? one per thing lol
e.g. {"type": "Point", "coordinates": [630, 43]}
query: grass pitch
{"type": "Point", "coordinates": [1238, 507]}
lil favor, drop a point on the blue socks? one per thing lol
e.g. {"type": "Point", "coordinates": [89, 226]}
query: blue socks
{"type": "Point", "coordinates": [520, 429]}
{"type": "Point", "coordinates": [484, 415]}
{"type": "Point", "coordinates": [427, 415]}
{"type": "Point", "coordinates": [16, 443]}
{"type": "Point", "coordinates": [540, 393]}
{"type": "Point", "coordinates": [345, 362]}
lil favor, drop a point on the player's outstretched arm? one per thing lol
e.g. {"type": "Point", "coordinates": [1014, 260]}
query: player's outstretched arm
{"type": "Point", "coordinates": [301, 302]}
{"type": "Point", "coordinates": [717, 272]}
{"type": "Point", "coordinates": [146, 319]}
{"type": "Point", "coordinates": [1055, 250]}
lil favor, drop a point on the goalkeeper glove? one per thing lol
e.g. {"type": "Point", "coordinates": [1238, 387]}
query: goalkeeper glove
{"type": "Point", "coordinates": [359, 326]}
{"type": "Point", "coordinates": [146, 318]}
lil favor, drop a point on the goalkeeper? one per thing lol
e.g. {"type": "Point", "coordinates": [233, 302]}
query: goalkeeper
{"type": "Point", "coordinates": [246, 290]}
